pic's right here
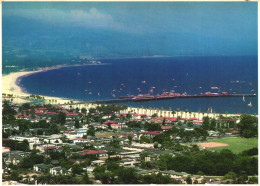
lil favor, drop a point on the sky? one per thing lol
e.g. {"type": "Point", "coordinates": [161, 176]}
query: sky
{"type": "Point", "coordinates": [130, 29]}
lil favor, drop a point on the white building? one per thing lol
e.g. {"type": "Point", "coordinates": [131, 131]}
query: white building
{"type": "Point", "coordinates": [81, 132]}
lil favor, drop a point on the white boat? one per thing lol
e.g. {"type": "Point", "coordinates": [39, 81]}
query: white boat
{"type": "Point", "coordinates": [243, 98]}
{"type": "Point", "coordinates": [250, 104]}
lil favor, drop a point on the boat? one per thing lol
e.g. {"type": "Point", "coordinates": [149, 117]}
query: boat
{"type": "Point", "coordinates": [243, 98]}
{"type": "Point", "coordinates": [250, 104]}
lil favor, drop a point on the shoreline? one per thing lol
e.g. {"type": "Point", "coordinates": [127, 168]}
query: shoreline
{"type": "Point", "coordinates": [10, 85]}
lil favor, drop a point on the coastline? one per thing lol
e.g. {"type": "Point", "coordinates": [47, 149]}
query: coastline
{"type": "Point", "coordinates": [10, 86]}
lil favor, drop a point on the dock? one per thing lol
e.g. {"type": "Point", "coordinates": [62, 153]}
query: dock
{"type": "Point", "coordinates": [154, 98]}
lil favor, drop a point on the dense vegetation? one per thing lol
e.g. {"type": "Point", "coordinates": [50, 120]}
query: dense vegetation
{"type": "Point", "coordinates": [211, 163]}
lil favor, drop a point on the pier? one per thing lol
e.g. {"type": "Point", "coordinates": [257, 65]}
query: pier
{"type": "Point", "coordinates": [154, 98]}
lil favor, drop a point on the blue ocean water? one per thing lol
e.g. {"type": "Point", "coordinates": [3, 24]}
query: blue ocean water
{"type": "Point", "coordinates": [120, 77]}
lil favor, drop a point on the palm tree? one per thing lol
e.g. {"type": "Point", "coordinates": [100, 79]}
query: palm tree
{"type": "Point", "coordinates": [178, 109]}
{"type": "Point", "coordinates": [186, 113]}
{"type": "Point", "coordinates": [173, 112]}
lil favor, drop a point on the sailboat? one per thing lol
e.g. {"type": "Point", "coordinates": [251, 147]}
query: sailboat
{"type": "Point", "coordinates": [243, 98]}
{"type": "Point", "coordinates": [250, 104]}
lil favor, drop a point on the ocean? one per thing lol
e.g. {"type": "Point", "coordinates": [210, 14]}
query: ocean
{"type": "Point", "coordinates": [133, 76]}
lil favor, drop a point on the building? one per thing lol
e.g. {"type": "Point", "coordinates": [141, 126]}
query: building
{"type": "Point", "coordinates": [81, 132]}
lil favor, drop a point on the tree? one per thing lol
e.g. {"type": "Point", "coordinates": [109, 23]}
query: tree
{"type": "Point", "coordinates": [61, 118]}
{"type": "Point", "coordinates": [163, 123]}
{"type": "Point", "coordinates": [155, 144]}
{"type": "Point", "coordinates": [14, 176]}
{"type": "Point", "coordinates": [206, 122]}
{"type": "Point", "coordinates": [77, 125]}
{"type": "Point", "coordinates": [213, 124]}
{"type": "Point", "coordinates": [127, 176]}
{"type": "Point", "coordinates": [188, 180]}
{"type": "Point", "coordinates": [230, 175]}
{"type": "Point", "coordinates": [130, 138]}
{"type": "Point", "coordinates": [86, 179]}
{"type": "Point", "coordinates": [248, 126]}
{"type": "Point", "coordinates": [76, 169]}
{"type": "Point", "coordinates": [91, 131]}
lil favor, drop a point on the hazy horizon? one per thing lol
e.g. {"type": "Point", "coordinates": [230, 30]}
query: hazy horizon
{"type": "Point", "coordinates": [61, 30]}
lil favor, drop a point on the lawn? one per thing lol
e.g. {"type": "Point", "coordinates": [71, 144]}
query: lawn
{"type": "Point", "coordinates": [236, 144]}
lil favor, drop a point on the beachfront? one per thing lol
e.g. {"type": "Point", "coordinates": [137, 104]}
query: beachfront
{"type": "Point", "coordinates": [9, 86]}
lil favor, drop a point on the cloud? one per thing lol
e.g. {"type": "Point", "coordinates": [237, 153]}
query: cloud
{"type": "Point", "coordinates": [75, 17]}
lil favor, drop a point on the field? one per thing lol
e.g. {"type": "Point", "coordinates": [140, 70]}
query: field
{"type": "Point", "coordinates": [236, 144]}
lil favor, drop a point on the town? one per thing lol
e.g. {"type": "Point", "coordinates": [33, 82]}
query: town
{"type": "Point", "coordinates": [51, 143]}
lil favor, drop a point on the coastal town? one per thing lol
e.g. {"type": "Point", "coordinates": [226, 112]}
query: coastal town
{"type": "Point", "coordinates": [83, 143]}
{"type": "Point", "coordinates": [147, 92]}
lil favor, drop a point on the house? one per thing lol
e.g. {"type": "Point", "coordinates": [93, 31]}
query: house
{"type": "Point", "coordinates": [57, 171]}
{"type": "Point", "coordinates": [175, 175]}
{"type": "Point", "coordinates": [100, 153]}
{"type": "Point", "coordinates": [55, 162]}
{"type": "Point", "coordinates": [30, 139]}
{"type": "Point", "coordinates": [127, 153]}
{"type": "Point", "coordinates": [129, 162]}
{"type": "Point", "coordinates": [115, 126]}
{"type": "Point", "coordinates": [46, 148]}
{"type": "Point", "coordinates": [81, 132]}
{"type": "Point", "coordinates": [97, 163]}
{"type": "Point", "coordinates": [41, 168]}
{"type": "Point", "coordinates": [70, 116]}
{"type": "Point", "coordinates": [13, 157]}
{"type": "Point", "coordinates": [80, 140]}
{"type": "Point", "coordinates": [164, 128]}
{"type": "Point", "coordinates": [147, 172]}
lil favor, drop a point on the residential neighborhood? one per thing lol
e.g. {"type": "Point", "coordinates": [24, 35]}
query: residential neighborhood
{"type": "Point", "coordinates": [112, 144]}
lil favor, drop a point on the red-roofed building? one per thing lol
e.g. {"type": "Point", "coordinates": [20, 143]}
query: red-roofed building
{"type": "Point", "coordinates": [112, 122]}
{"type": "Point", "coordinates": [72, 115]}
{"type": "Point", "coordinates": [45, 148]}
{"type": "Point", "coordinates": [101, 153]}
{"type": "Point", "coordinates": [139, 116]}
{"type": "Point", "coordinates": [166, 127]}
{"type": "Point", "coordinates": [117, 126]}
{"type": "Point", "coordinates": [51, 113]}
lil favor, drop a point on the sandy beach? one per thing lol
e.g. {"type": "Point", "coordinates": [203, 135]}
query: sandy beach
{"type": "Point", "coordinates": [9, 86]}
